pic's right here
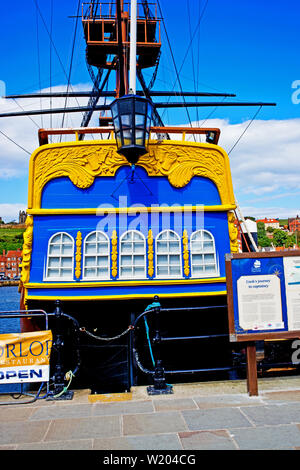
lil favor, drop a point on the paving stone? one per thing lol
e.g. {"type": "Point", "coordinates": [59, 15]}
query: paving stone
{"type": "Point", "coordinates": [222, 401]}
{"type": "Point", "coordinates": [206, 440]}
{"type": "Point", "coordinates": [289, 395]}
{"type": "Point", "coordinates": [215, 418]}
{"type": "Point", "coordinates": [267, 438]}
{"type": "Point", "coordinates": [152, 442]}
{"type": "Point", "coordinates": [153, 423]}
{"type": "Point", "coordinates": [62, 412]}
{"type": "Point", "coordinates": [174, 404]}
{"type": "Point", "coordinates": [88, 428]}
{"type": "Point", "coordinates": [16, 432]}
{"type": "Point", "coordinates": [15, 413]}
{"type": "Point", "coordinates": [273, 414]}
{"type": "Point", "coordinates": [122, 408]}
{"type": "Point", "coordinates": [80, 444]}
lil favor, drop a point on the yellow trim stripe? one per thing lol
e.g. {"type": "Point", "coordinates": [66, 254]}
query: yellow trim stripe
{"type": "Point", "coordinates": [133, 210]}
{"type": "Point", "coordinates": [125, 297]}
{"type": "Point", "coordinates": [146, 282]}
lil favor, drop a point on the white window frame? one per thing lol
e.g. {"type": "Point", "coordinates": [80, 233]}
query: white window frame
{"type": "Point", "coordinates": [216, 273]}
{"type": "Point", "coordinates": [168, 254]}
{"type": "Point", "coordinates": [96, 255]}
{"type": "Point", "coordinates": [60, 256]}
{"type": "Point", "coordinates": [132, 276]}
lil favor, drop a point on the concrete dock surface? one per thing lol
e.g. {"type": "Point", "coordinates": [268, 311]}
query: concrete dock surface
{"type": "Point", "coordinates": [198, 416]}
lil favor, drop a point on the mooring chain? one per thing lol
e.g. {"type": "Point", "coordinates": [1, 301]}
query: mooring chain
{"type": "Point", "coordinates": [101, 338]}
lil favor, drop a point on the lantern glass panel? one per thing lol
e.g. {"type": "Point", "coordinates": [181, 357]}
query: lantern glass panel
{"type": "Point", "coordinates": [125, 107]}
{"type": "Point", "coordinates": [140, 107]}
{"type": "Point", "coordinates": [127, 137]}
{"type": "Point", "coordinates": [126, 120]}
{"type": "Point", "coordinates": [114, 110]}
{"type": "Point", "coordinates": [139, 120]}
{"type": "Point", "coordinates": [118, 139]}
{"type": "Point", "coordinates": [139, 137]}
{"type": "Point", "coordinates": [116, 124]}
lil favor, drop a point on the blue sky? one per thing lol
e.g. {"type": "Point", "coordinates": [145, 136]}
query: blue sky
{"type": "Point", "coordinates": [250, 48]}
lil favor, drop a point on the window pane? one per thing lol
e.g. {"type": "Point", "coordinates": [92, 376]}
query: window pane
{"type": "Point", "coordinates": [90, 248]}
{"type": "Point", "coordinates": [66, 273]}
{"type": "Point", "coordinates": [174, 270]}
{"type": "Point", "coordinates": [138, 260]}
{"type": "Point", "coordinates": [102, 272]}
{"type": "Point", "coordinates": [102, 261]}
{"type": "Point", "coordinates": [175, 259]}
{"type": "Point", "coordinates": [89, 272]}
{"type": "Point", "coordinates": [162, 247]}
{"type": "Point", "coordinates": [90, 261]}
{"type": "Point", "coordinates": [66, 262]}
{"type": "Point", "coordinates": [174, 247]}
{"type": "Point", "coordinates": [126, 260]}
{"type": "Point", "coordinates": [56, 239]}
{"type": "Point", "coordinates": [53, 272]}
{"type": "Point", "coordinates": [162, 270]}
{"type": "Point", "coordinates": [54, 249]}
{"type": "Point", "coordinates": [67, 249]}
{"type": "Point", "coordinates": [126, 247]}
{"type": "Point", "coordinates": [127, 271]}
{"type": "Point", "coordinates": [162, 259]}
{"type": "Point", "coordinates": [65, 238]}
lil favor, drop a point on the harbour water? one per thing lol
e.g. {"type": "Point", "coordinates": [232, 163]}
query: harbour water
{"type": "Point", "coordinates": [9, 300]}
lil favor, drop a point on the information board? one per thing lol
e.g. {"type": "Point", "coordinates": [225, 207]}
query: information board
{"type": "Point", "coordinates": [263, 291]}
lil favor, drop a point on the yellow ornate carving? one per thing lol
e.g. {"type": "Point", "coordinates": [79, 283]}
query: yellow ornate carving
{"type": "Point", "coordinates": [83, 162]}
{"type": "Point", "coordinates": [78, 255]}
{"type": "Point", "coordinates": [233, 233]}
{"type": "Point", "coordinates": [150, 254]}
{"type": "Point", "coordinates": [114, 254]}
{"type": "Point", "coordinates": [185, 242]}
{"type": "Point", "coordinates": [27, 249]}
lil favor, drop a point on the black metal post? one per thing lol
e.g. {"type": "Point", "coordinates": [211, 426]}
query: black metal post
{"type": "Point", "coordinates": [160, 386]}
{"type": "Point", "coordinates": [58, 376]}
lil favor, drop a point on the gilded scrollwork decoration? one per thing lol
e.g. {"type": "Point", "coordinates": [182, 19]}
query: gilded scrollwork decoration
{"type": "Point", "coordinates": [82, 163]}
{"type": "Point", "coordinates": [27, 249]}
{"type": "Point", "coordinates": [233, 233]}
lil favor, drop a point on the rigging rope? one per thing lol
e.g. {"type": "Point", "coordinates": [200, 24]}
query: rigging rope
{"type": "Point", "coordinates": [174, 63]}
{"type": "Point", "coordinates": [9, 138]}
{"type": "Point", "coordinates": [38, 57]}
{"type": "Point", "coordinates": [245, 130]}
{"type": "Point", "coordinates": [71, 62]}
{"type": "Point", "coordinates": [54, 47]}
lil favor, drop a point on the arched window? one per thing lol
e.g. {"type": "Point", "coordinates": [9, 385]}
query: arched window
{"type": "Point", "coordinates": [96, 256]}
{"type": "Point", "coordinates": [168, 254]}
{"type": "Point", "coordinates": [132, 255]}
{"type": "Point", "coordinates": [203, 254]}
{"type": "Point", "coordinates": [60, 257]}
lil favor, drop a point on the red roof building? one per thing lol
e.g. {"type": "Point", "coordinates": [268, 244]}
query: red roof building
{"type": "Point", "coordinates": [274, 223]}
{"type": "Point", "coordinates": [294, 224]}
{"type": "Point", "coordinates": [10, 263]}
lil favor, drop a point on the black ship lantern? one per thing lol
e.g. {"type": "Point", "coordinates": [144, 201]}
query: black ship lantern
{"type": "Point", "coordinates": [132, 117]}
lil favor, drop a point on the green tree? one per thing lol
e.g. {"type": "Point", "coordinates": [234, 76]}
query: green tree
{"type": "Point", "coordinates": [279, 237]}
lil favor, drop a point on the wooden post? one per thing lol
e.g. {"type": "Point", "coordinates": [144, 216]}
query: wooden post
{"type": "Point", "coordinates": [252, 386]}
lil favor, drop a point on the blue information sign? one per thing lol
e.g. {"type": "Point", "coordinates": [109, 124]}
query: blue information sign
{"type": "Point", "coordinates": [263, 294]}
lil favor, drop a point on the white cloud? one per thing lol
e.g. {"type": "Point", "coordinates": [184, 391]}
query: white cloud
{"type": "Point", "coordinates": [265, 164]}
{"type": "Point", "coordinates": [10, 212]}
{"type": "Point", "coordinates": [24, 130]}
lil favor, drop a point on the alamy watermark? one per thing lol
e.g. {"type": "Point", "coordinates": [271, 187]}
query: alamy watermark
{"type": "Point", "coordinates": [141, 217]}
{"type": "Point", "coordinates": [296, 93]}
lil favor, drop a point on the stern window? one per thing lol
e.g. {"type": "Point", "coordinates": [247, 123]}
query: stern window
{"type": "Point", "coordinates": [60, 257]}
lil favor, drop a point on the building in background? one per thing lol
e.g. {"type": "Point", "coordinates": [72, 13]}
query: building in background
{"type": "Point", "coordinates": [274, 223]}
{"type": "Point", "coordinates": [10, 264]}
{"type": "Point", "coordinates": [294, 224]}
